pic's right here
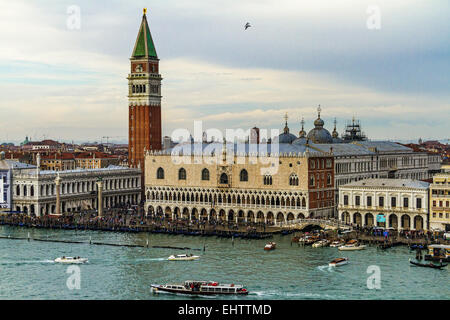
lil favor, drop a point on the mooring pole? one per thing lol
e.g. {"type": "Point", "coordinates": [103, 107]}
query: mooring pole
{"type": "Point", "coordinates": [28, 236]}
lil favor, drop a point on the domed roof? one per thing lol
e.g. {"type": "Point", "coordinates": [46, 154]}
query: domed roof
{"type": "Point", "coordinates": [319, 134]}
{"type": "Point", "coordinates": [300, 141]}
{"type": "Point", "coordinates": [285, 137]}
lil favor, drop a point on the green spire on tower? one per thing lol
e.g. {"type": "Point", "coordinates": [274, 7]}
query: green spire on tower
{"type": "Point", "coordinates": [144, 46]}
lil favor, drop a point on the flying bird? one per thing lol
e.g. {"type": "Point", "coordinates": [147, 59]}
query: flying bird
{"type": "Point", "coordinates": [247, 25]}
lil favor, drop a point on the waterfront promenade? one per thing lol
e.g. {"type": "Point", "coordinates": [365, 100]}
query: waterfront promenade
{"type": "Point", "coordinates": [133, 220]}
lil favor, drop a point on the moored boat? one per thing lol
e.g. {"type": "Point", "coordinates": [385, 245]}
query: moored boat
{"type": "Point", "coordinates": [338, 262]}
{"type": "Point", "coordinates": [71, 260]}
{"type": "Point", "coordinates": [352, 245]}
{"type": "Point", "coordinates": [270, 246]}
{"type": "Point", "coordinates": [335, 244]}
{"type": "Point", "coordinates": [201, 288]}
{"type": "Point", "coordinates": [183, 257]}
{"type": "Point", "coordinates": [320, 243]}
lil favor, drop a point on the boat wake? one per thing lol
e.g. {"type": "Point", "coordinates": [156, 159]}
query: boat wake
{"type": "Point", "coordinates": [26, 262]}
{"type": "Point", "coordinates": [151, 259]}
{"type": "Point", "coordinates": [281, 295]}
{"type": "Point", "coordinates": [326, 268]}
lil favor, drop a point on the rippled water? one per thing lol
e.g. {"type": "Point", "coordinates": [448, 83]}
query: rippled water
{"type": "Point", "coordinates": [289, 272]}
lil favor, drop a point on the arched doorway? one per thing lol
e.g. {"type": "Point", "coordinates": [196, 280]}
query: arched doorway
{"type": "Point", "coordinates": [250, 216]}
{"type": "Point", "coordinates": [241, 217]}
{"type": "Point", "coordinates": [203, 214]}
{"type": "Point", "coordinates": [345, 217]}
{"type": "Point", "coordinates": [231, 215]}
{"type": "Point", "coordinates": [418, 223]}
{"type": "Point", "coordinates": [290, 216]}
{"type": "Point", "coordinates": [222, 215]}
{"type": "Point", "coordinates": [185, 213]}
{"type": "Point", "coordinates": [176, 213]}
{"type": "Point", "coordinates": [393, 221]}
{"type": "Point", "coordinates": [369, 219]}
{"type": "Point", "coordinates": [406, 222]}
{"type": "Point", "coordinates": [168, 213]}
{"type": "Point", "coordinates": [260, 216]}
{"type": "Point", "coordinates": [270, 217]}
{"type": "Point", "coordinates": [212, 215]}
{"type": "Point", "coordinates": [280, 217]}
{"type": "Point", "coordinates": [194, 214]}
{"type": "Point", "coordinates": [300, 216]}
{"type": "Point", "coordinates": [357, 218]}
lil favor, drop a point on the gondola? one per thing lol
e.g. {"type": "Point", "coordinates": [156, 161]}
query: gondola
{"type": "Point", "coordinates": [428, 265]}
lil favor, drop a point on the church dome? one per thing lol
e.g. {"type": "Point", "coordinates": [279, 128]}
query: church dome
{"type": "Point", "coordinates": [319, 134]}
{"type": "Point", "coordinates": [285, 137]}
{"type": "Point", "coordinates": [300, 141]}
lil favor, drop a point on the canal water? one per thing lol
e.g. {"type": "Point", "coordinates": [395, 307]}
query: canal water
{"type": "Point", "coordinates": [27, 270]}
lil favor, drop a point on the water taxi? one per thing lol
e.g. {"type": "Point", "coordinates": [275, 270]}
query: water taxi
{"type": "Point", "coordinates": [201, 288]}
{"type": "Point", "coordinates": [71, 260]}
{"type": "Point", "coordinates": [338, 262]}
{"type": "Point", "coordinates": [270, 246]}
{"type": "Point", "coordinates": [335, 244]}
{"type": "Point", "coordinates": [320, 243]}
{"type": "Point", "coordinates": [352, 245]}
{"type": "Point", "coordinates": [183, 257]}
{"type": "Point", "coordinates": [438, 252]}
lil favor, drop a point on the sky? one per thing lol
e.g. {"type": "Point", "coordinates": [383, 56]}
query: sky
{"type": "Point", "coordinates": [65, 79]}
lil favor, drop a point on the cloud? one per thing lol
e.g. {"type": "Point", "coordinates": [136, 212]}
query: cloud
{"type": "Point", "coordinates": [71, 84]}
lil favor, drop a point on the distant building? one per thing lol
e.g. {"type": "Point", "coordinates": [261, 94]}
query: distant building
{"type": "Point", "coordinates": [242, 187]}
{"type": "Point", "coordinates": [401, 204]}
{"type": "Point", "coordinates": [6, 172]}
{"type": "Point", "coordinates": [440, 202]}
{"type": "Point", "coordinates": [35, 192]}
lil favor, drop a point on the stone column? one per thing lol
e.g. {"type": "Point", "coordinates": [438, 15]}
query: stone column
{"type": "Point", "coordinates": [58, 204]}
{"type": "Point", "coordinates": [100, 197]}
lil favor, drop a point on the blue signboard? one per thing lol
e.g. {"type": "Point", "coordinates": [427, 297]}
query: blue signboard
{"type": "Point", "coordinates": [381, 218]}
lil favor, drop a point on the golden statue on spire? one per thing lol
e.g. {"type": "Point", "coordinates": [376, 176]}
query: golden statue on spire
{"type": "Point", "coordinates": [145, 11]}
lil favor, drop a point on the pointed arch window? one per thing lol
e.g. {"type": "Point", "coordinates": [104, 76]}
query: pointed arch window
{"type": "Point", "coordinates": [293, 180]}
{"type": "Point", "coordinates": [160, 173]}
{"type": "Point", "coordinates": [205, 174]}
{"type": "Point", "coordinates": [267, 180]}
{"type": "Point", "coordinates": [224, 178]}
{"type": "Point", "coordinates": [243, 175]}
{"type": "Point", "coordinates": [182, 174]}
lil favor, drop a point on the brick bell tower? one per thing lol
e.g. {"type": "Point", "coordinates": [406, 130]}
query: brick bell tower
{"type": "Point", "coordinates": [144, 98]}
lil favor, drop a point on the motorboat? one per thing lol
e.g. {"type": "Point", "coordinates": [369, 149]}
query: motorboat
{"type": "Point", "coordinates": [71, 260]}
{"type": "Point", "coordinates": [352, 245]}
{"type": "Point", "coordinates": [428, 265]}
{"type": "Point", "coordinates": [201, 288]}
{"type": "Point", "coordinates": [320, 243]}
{"type": "Point", "coordinates": [338, 262]}
{"type": "Point", "coordinates": [438, 252]}
{"type": "Point", "coordinates": [182, 257]}
{"type": "Point", "coordinates": [270, 246]}
{"type": "Point", "coordinates": [335, 244]}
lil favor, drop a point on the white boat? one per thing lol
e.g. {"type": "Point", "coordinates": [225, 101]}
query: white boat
{"type": "Point", "coordinates": [351, 247]}
{"type": "Point", "coordinates": [338, 262]}
{"type": "Point", "coordinates": [335, 244]}
{"type": "Point", "coordinates": [71, 260]}
{"type": "Point", "coordinates": [270, 246]}
{"type": "Point", "coordinates": [182, 257]}
{"type": "Point", "coordinates": [201, 288]}
{"type": "Point", "coordinates": [320, 243]}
